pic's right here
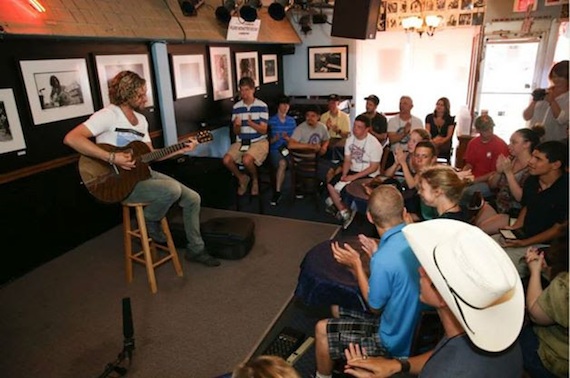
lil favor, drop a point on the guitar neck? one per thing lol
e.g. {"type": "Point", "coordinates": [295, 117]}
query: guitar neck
{"type": "Point", "coordinates": [162, 152]}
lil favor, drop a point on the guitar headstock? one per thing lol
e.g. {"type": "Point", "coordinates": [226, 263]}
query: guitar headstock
{"type": "Point", "coordinates": [204, 136]}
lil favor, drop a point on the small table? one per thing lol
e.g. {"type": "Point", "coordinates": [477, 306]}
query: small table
{"type": "Point", "coordinates": [355, 192]}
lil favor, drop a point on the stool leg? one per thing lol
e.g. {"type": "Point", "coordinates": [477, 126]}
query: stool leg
{"type": "Point", "coordinates": [128, 243]}
{"type": "Point", "coordinates": [146, 249]}
{"type": "Point", "coordinates": [171, 247]}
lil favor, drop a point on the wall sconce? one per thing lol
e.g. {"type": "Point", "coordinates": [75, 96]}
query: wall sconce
{"type": "Point", "coordinates": [425, 24]}
{"type": "Point", "coordinates": [190, 7]}
{"type": "Point", "coordinates": [279, 8]}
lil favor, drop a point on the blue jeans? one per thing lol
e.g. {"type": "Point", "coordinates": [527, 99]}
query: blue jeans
{"type": "Point", "coordinates": [160, 192]}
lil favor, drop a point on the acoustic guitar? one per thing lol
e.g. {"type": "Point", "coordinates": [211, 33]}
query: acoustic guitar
{"type": "Point", "coordinates": [110, 183]}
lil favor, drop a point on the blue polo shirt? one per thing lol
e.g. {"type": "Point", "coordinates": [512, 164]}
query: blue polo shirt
{"type": "Point", "coordinates": [276, 127]}
{"type": "Point", "coordinates": [395, 290]}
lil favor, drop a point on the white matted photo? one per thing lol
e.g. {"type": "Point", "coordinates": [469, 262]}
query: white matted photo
{"type": "Point", "coordinates": [328, 62]}
{"type": "Point", "coordinates": [221, 70]}
{"type": "Point", "coordinates": [57, 89]}
{"type": "Point", "coordinates": [189, 75]}
{"type": "Point", "coordinates": [110, 65]}
{"type": "Point", "coordinates": [269, 67]}
{"type": "Point", "coordinates": [11, 136]}
{"type": "Point", "coordinates": [247, 66]}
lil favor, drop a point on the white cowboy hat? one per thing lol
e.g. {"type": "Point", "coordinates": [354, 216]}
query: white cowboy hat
{"type": "Point", "coordinates": [474, 276]}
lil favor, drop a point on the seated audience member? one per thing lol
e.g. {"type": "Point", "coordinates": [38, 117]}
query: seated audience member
{"type": "Point", "coordinates": [338, 125]}
{"type": "Point", "coordinates": [549, 108]}
{"type": "Point", "coordinates": [336, 121]}
{"type": "Point", "coordinates": [544, 341]}
{"type": "Point", "coordinates": [416, 136]}
{"type": "Point", "coordinates": [265, 367]}
{"type": "Point", "coordinates": [441, 188]}
{"type": "Point", "coordinates": [362, 155]}
{"type": "Point", "coordinates": [391, 292]}
{"type": "Point", "coordinates": [401, 125]}
{"type": "Point", "coordinates": [479, 299]}
{"type": "Point", "coordinates": [311, 135]}
{"type": "Point", "coordinates": [544, 202]}
{"type": "Point", "coordinates": [507, 181]}
{"type": "Point", "coordinates": [249, 117]}
{"type": "Point", "coordinates": [441, 125]}
{"type": "Point", "coordinates": [425, 156]}
{"type": "Point", "coordinates": [481, 157]}
{"type": "Point", "coordinates": [378, 122]}
{"type": "Point", "coordinates": [280, 124]}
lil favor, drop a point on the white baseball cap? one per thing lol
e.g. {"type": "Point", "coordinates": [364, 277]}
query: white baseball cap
{"type": "Point", "coordinates": [474, 276]}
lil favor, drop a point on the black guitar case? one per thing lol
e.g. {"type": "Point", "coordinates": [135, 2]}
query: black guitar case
{"type": "Point", "coordinates": [229, 238]}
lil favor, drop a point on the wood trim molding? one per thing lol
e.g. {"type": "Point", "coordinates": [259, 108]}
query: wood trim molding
{"type": "Point", "coordinates": [38, 168]}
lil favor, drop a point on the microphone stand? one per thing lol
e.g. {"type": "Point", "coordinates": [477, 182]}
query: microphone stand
{"type": "Point", "coordinates": [128, 344]}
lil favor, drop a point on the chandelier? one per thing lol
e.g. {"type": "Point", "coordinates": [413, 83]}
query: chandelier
{"type": "Point", "coordinates": [424, 24]}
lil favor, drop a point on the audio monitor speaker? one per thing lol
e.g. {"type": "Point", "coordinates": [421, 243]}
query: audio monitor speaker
{"type": "Point", "coordinates": [355, 19]}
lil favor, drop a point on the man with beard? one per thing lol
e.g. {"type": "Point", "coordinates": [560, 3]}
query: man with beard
{"type": "Point", "coordinates": [119, 124]}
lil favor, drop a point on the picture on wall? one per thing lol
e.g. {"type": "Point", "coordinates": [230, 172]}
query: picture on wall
{"type": "Point", "coordinates": [57, 89]}
{"type": "Point", "coordinates": [110, 65]}
{"type": "Point", "coordinates": [269, 66]}
{"type": "Point", "coordinates": [247, 66]}
{"type": "Point", "coordinates": [11, 136]}
{"type": "Point", "coordinates": [189, 75]}
{"type": "Point", "coordinates": [522, 5]}
{"type": "Point", "coordinates": [221, 70]}
{"type": "Point", "coordinates": [328, 62]}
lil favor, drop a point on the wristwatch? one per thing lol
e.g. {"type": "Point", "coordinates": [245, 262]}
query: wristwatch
{"type": "Point", "coordinates": [405, 364]}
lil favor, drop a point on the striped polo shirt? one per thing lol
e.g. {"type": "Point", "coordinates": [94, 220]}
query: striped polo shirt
{"type": "Point", "coordinates": [259, 113]}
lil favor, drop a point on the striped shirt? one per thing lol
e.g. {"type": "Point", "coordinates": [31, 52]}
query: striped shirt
{"type": "Point", "coordinates": [258, 112]}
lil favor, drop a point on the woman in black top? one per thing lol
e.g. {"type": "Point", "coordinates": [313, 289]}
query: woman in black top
{"type": "Point", "coordinates": [441, 125]}
{"type": "Point", "coordinates": [441, 188]}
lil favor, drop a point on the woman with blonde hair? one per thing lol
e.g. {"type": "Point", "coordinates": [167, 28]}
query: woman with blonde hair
{"type": "Point", "coordinates": [440, 187]}
{"type": "Point", "coordinates": [265, 367]}
{"type": "Point", "coordinates": [403, 159]}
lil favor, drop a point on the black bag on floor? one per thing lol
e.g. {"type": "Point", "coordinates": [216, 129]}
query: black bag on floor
{"type": "Point", "coordinates": [229, 238]}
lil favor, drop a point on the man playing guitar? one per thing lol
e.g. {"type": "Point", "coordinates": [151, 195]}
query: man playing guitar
{"type": "Point", "coordinates": [119, 124]}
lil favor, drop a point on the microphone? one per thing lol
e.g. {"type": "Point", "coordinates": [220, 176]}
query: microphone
{"type": "Point", "coordinates": [128, 328]}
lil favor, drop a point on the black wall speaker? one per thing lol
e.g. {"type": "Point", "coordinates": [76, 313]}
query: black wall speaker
{"type": "Point", "coordinates": [355, 19]}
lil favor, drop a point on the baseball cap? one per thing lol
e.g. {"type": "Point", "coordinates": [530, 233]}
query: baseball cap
{"type": "Point", "coordinates": [474, 276]}
{"type": "Point", "coordinates": [373, 98]}
{"type": "Point", "coordinates": [334, 97]}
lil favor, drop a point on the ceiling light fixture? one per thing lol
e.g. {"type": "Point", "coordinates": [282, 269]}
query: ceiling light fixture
{"type": "Point", "coordinates": [424, 24]}
{"type": "Point", "coordinates": [189, 7]}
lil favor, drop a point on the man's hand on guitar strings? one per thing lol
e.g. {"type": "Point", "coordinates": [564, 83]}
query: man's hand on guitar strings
{"type": "Point", "coordinates": [125, 160]}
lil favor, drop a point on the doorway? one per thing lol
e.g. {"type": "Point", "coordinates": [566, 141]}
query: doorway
{"type": "Point", "coordinates": [508, 72]}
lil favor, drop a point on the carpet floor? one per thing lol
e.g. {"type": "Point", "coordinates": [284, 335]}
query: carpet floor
{"type": "Point", "coordinates": [64, 318]}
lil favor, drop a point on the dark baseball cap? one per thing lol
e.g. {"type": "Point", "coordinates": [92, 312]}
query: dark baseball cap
{"type": "Point", "coordinates": [334, 97]}
{"type": "Point", "coordinates": [373, 98]}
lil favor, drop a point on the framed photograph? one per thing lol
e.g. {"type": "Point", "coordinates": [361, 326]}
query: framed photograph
{"type": "Point", "coordinates": [57, 89]}
{"type": "Point", "coordinates": [269, 67]}
{"type": "Point", "coordinates": [522, 5]}
{"type": "Point", "coordinates": [110, 65]}
{"type": "Point", "coordinates": [549, 3]}
{"type": "Point", "coordinates": [328, 62]}
{"type": "Point", "coordinates": [221, 70]}
{"type": "Point", "coordinates": [189, 75]}
{"type": "Point", "coordinates": [11, 136]}
{"type": "Point", "coordinates": [246, 65]}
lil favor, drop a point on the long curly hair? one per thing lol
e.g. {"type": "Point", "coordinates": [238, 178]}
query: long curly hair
{"type": "Point", "coordinates": [124, 87]}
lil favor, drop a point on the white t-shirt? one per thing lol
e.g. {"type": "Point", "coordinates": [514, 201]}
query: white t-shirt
{"type": "Point", "coordinates": [396, 124]}
{"type": "Point", "coordinates": [555, 128]}
{"type": "Point", "coordinates": [109, 125]}
{"type": "Point", "coordinates": [363, 152]}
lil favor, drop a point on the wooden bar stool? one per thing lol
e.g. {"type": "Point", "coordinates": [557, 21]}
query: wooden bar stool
{"type": "Point", "coordinates": [148, 256]}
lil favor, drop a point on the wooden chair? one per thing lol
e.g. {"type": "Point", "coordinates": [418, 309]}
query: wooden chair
{"type": "Point", "coordinates": [305, 180]}
{"type": "Point", "coordinates": [149, 255]}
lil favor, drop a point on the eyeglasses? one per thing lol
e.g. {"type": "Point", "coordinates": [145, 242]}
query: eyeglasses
{"type": "Point", "coordinates": [456, 295]}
